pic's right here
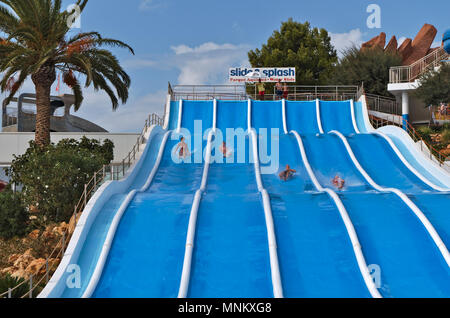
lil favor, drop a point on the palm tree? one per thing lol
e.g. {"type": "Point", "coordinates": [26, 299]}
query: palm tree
{"type": "Point", "coordinates": [36, 43]}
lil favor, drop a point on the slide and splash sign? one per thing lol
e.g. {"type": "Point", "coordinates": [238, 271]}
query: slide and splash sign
{"type": "Point", "coordinates": [266, 74]}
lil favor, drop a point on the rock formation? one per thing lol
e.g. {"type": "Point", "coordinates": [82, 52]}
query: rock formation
{"type": "Point", "coordinates": [378, 41]}
{"type": "Point", "coordinates": [410, 50]}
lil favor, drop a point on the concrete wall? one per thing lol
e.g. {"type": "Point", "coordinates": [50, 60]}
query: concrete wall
{"type": "Point", "coordinates": [17, 143]}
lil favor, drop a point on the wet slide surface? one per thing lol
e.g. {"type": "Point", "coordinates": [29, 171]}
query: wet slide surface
{"type": "Point", "coordinates": [231, 256]}
{"type": "Point", "coordinates": [315, 253]}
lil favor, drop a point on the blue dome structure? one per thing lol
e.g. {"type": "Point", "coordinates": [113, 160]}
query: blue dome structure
{"type": "Point", "coordinates": [446, 40]}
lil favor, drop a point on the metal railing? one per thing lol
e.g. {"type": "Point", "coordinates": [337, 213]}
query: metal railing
{"type": "Point", "coordinates": [107, 173]}
{"type": "Point", "coordinates": [208, 92]}
{"type": "Point", "coordinates": [433, 152]}
{"type": "Point", "coordinates": [309, 93]}
{"type": "Point", "coordinates": [407, 74]}
{"type": "Point", "coordinates": [383, 104]}
{"type": "Point", "coordinates": [244, 92]}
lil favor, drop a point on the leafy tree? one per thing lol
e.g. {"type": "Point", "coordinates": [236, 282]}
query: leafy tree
{"type": "Point", "coordinates": [36, 44]}
{"type": "Point", "coordinates": [53, 177]}
{"type": "Point", "coordinates": [13, 216]}
{"type": "Point", "coordinates": [296, 44]}
{"type": "Point", "coordinates": [435, 86]}
{"type": "Point", "coordinates": [370, 66]}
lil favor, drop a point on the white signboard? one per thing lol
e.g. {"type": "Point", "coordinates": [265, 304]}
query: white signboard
{"type": "Point", "coordinates": [266, 74]}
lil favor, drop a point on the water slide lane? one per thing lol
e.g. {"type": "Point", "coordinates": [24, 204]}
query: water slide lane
{"type": "Point", "coordinates": [301, 117]}
{"type": "Point", "coordinates": [231, 256]}
{"type": "Point", "coordinates": [336, 116]}
{"type": "Point", "coordinates": [153, 229]}
{"type": "Point", "coordinates": [310, 235]}
{"type": "Point", "coordinates": [93, 243]}
{"type": "Point", "coordinates": [393, 238]}
{"type": "Point", "coordinates": [373, 152]}
{"type": "Point", "coordinates": [406, 270]}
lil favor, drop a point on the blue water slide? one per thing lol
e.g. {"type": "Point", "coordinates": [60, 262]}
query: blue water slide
{"type": "Point", "coordinates": [390, 245]}
{"type": "Point", "coordinates": [153, 228]}
{"type": "Point", "coordinates": [336, 116]}
{"type": "Point", "coordinates": [410, 152]}
{"type": "Point", "coordinates": [383, 165]}
{"type": "Point", "coordinates": [89, 251]}
{"type": "Point", "coordinates": [310, 235]}
{"type": "Point", "coordinates": [231, 255]}
{"type": "Point", "coordinates": [302, 117]}
{"type": "Point", "coordinates": [309, 230]}
{"type": "Point", "coordinates": [446, 40]}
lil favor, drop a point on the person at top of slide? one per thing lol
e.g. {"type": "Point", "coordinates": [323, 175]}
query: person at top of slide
{"type": "Point", "coordinates": [338, 182]}
{"type": "Point", "coordinates": [224, 150]}
{"type": "Point", "coordinates": [261, 89]}
{"type": "Point", "coordinates": [279, 89]}
{"type": "Point", "coordinates": [184, 149]}
{"type": "Point", "coordinates": [287, 173]}
{"type": "Point", "coordinates": [285, 91]}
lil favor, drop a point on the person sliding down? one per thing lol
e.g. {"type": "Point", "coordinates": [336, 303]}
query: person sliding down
{"type": "Point", "coordinates": [224, 150]}
{"type": "Point", "coordinates": [287, 173]}
{"type": "Point", "coordinates": [338, 182]}
{"type": "Point", "coordinates": [184, 149]}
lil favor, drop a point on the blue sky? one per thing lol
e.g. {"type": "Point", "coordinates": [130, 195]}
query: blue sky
{"type": "Point", "coordinates": [196, 41]}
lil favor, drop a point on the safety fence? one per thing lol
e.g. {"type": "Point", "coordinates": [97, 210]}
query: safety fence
{"type": "Point", "coordinates": [108, 172]}
{"type": "Point", "coordinates": [250, 90]}
{"type": "Point", "coordinates": [383, 104]}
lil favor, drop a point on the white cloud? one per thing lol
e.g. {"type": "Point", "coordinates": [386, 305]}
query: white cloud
{"type": "Point", "coordinates": [127, 118]}
{"type": "Point", "coordinates": [343, 41]}
{"type": "Point", "coordinates": [208, 63]}
{"type": "Point", "coordinates": [203, 48]}
{"type": "Point", "coordinates": [148, 5]}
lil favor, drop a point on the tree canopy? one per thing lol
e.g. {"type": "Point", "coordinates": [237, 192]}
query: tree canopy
{"type": "Point", "coordinates": [36, 43]}
{"type": "Point", "coordinates": [297, 44]}
{"type": "Point", "coordinates": [435, 86]}
{"type": "Point", "coordinates": [370, 66]}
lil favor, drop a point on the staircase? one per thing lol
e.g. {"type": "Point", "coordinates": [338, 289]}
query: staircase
{"type": "Point", "coordinates": [408, 74]}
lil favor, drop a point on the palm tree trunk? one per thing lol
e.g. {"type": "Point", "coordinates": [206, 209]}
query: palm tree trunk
{"type": "Point", "coordinates": [43, 80]}
{"type": "Point", "coordinates": [43, 110]}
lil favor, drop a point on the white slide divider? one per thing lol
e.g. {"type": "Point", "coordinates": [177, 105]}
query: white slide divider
{"type": "Point", "coordinates": [273, 255]}
{"type": "Point", "coordinates": [319, 120]}
{"type": "Point", "coordinates": [428, 226]}
{"type": "Point", "coordinates": [274, 265]}
{"type": "Point", "coordinates": [284, 116]}
{"type": "Point", "coordinates": [187, 263]}
{"type": "Point", "coordinates": [167, 112]}
{"type": "Point", "coordinates": [398, 153]}
{"type": "Point", "coordinates": [180, 116]}
{"type": "Point", "coordinates": [115, 223]}
{"type": "Point", "coordinates": [190, 239]}
{"type": "Point", "coordinates": [352, 109]}
{"type": "Point", "coordinates": [249, 114]}
{"type": "Point", "coordinates": [347, 221]}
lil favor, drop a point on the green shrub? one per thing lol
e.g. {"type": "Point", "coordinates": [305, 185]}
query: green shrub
{"type": "Point", "coordinates": [53, 177]}
{"type": "Point", "coordinates": [7, 282]}
{"type": "Point", "coordinates": [13, 216]}
{"type": "Point", "coordinates": [446, 136]}
{"type": "Point", "coordinates": [425, 132]}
